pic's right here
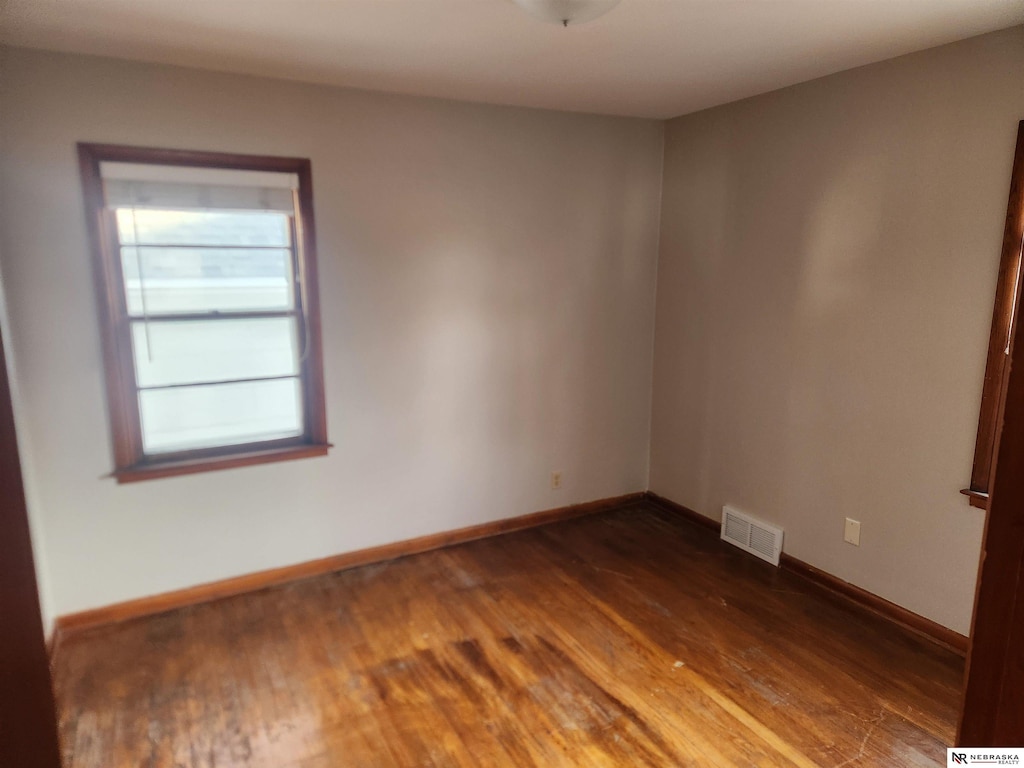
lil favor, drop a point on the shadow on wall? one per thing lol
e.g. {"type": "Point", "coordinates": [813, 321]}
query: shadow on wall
{"type": "Point", "coordinates": [820, 359]}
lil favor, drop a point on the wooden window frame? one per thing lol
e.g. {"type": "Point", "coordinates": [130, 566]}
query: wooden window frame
{"type": "Point", "coordinates": [997, 368]}
{"type": "Point", "coordinates": [130, 460]}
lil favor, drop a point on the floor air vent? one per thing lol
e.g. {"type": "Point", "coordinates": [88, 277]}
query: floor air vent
{"type": "Point", "coordinates": [753, 536]}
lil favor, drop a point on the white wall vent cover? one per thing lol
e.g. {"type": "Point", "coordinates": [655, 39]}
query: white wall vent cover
{"type": "Point", "coordinates": [751, 535]}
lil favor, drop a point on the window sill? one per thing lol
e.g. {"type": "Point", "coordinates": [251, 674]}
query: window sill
{"type": "Point", "coordinates": [976, 498]}
{"type": "Point", "coordinates": [152, 471]}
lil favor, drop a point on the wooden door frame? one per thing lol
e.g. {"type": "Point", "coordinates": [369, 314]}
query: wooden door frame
{"type": "Point", "coordinates": [28, 723]}
{"type": "Point", "coordinates": [993, 705]}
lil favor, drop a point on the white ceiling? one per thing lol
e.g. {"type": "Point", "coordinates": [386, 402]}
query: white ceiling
{"type": "Point", "coordinates": [649, 58]}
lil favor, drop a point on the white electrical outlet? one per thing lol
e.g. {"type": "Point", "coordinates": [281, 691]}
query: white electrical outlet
{"type": "Point", "coordinates": [851, 535]}
{"type": "Point", "coordinates": [556, 480]}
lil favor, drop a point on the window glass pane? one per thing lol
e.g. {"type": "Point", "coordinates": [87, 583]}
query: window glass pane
{"type": "Point", "coordinates": [206, 279]}
{"type": "Point", "coordinates": [202, 351]}
{"type": "Point", "coordinates": [219, 414]}
{"type": "Point", "coordinates": [170, 227]}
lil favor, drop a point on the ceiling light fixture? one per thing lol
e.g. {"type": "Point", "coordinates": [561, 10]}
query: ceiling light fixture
{"type": "Point", "coordinates": [566, 12]}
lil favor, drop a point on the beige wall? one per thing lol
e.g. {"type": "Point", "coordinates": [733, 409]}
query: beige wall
{"type": "Point", "coordinates": [826, 277]}
{"type": "Point", "coordinates": [487, 284]}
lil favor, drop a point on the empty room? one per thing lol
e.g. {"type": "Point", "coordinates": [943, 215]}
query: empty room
{"type": "Point", "coordinates": [511, 383]}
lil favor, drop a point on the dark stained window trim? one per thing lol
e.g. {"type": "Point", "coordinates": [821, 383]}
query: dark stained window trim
{"type": "Point", "coordinates": [236, 458]}
{"type": "Point", "coordinates": [996, 369]}
{"type": "Point", "coordinates": [130, 462]}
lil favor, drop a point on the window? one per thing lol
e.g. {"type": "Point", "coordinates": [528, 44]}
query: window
{"type": "Point", "coordinates": [1003, 324]}
{"type": "Point", "coordinates": [206, 276]}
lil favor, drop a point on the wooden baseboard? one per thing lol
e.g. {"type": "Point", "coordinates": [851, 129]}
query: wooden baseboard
{"type": "Point", "coordinates": [204, 593]}
{"type": "Point", "coordinates": [878, 605]}
{"type": "Point", "coordinates": [850, 592]}
{"type": "Point", "coordinates": [169, 601]}
{"type": "Point", "coordinates": [660, 502]}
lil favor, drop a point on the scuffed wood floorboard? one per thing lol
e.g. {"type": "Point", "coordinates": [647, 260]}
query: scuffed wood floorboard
{"type": "Point", "coordinates": [630, 638]}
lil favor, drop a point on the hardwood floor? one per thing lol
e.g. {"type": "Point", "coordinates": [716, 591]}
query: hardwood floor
{"type": "Point", "coordinates": [623, 639]}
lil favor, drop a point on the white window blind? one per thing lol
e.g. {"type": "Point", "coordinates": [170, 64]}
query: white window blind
{"type": "Point", "coordinates": [185, 188]}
